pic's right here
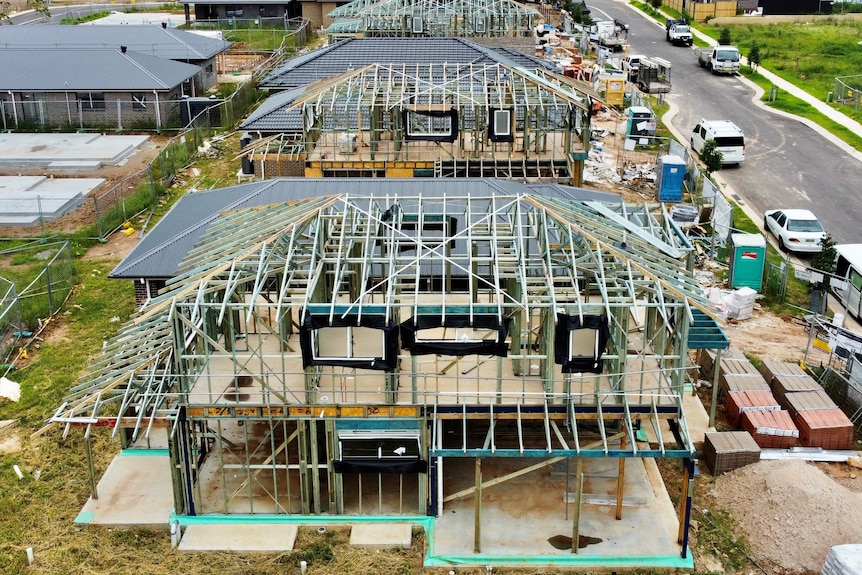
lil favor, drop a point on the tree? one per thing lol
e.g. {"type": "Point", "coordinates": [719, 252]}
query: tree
{"type": "Point", "coordinates": [754, 55]}
{"type": "Point", "coordinates": [825, 260]}
{"type": "Point", "coordinates": [37, 5]}
{"type": "Point", "coordinates": [711, 156]}
{"type": "Point", "coordinates": [724, 38]}
{"type": "Point", "coordinates": [655, 3]}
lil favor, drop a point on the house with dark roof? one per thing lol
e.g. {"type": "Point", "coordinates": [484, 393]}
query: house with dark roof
{"type": "Point", "coordinates": [413, 107]}
{"type": "Point", "coordinates": [59, 87]}
{"type": "Point", "coordinates": [160, 41]}
{"type": "Point", "coordinates": [241, 10]}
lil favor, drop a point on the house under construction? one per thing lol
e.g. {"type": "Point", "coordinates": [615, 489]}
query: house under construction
{"type": "Point", "coordinates": [469, 111]}
{"type": "Point", "coordinates": [386, 350]}
{"type": "Point", "coordinates": [433, 18]}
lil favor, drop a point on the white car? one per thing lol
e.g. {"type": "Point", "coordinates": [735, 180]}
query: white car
{"type": "Point", "coordinates": [796, 230]}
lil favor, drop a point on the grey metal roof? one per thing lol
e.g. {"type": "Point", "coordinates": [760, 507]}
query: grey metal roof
{"type": "Point", "coordinates": [353, 53]}
{"type": "Point", "coordinates": [59, 70]}
{"type": "Point", "coordinates": [160, 252]}
{"type": "Point", "coordinates": [273, 116]}
{"type": "Point", "coordinates": [167, 43]}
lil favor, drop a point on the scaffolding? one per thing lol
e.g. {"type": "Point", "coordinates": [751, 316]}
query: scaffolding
{"type": "Point", "coordinates": [425, 18]}
{"type": "Point", "coordinates": [306, 346]}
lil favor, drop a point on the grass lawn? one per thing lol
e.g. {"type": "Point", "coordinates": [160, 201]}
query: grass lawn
{"type": "Point", "coordinates": [807, 54]}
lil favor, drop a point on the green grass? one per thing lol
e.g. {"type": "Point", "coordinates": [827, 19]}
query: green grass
{"type": "Point", "coordinates": [809, 55]}
{"type": "Point", "coordinates": [83, 19]}
{"type": "Point", "coordinates": [786, 102]}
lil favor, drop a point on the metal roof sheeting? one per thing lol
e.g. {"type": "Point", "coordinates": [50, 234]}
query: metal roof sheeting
{"type": "Point", "coordinates": [61, 70]}
{"type": "Point", "coordinates": [166, 43]}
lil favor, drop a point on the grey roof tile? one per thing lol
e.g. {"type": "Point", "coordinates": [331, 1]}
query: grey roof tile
{"type": "Point", "coordinates": [273, 116]}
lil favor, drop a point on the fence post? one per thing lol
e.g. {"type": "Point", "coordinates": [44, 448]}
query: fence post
{"type": "Point", "coordinates": [48, 284]}
{"type": "Point", "coordinates": [98, 218]}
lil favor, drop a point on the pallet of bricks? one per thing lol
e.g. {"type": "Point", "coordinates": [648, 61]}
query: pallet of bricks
{"type": "Point", "coordinates": [728, 450]}
{"type": "Point", "coordinates": [736, 373]}
{"type": "Point", "coordinates": [740, 385]}
{"type": "Point", "coordinates": [820, 421]}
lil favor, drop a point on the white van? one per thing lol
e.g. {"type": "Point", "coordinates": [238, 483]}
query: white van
{"type": "Point", "coordinates": [848, 269]}
{"type": "Point", "coordinates": [728, 137]}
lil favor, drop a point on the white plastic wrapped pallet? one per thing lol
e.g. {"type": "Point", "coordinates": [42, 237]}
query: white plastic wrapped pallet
{"type": "Point", "coordinates": [843, 560]}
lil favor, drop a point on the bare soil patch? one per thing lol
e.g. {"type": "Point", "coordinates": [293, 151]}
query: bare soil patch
{"type": "Point", "coordinates": [791, 512]}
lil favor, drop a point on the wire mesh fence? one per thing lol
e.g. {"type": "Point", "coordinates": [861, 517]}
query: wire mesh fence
{"type": "Point", "coordinates": [847, 90]}
{"type": "Point", "coordinates": [37, 279]}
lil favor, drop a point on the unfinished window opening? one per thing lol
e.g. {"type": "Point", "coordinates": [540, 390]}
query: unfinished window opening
{"type": "Point", "coordinates": [379, 452]}
{"type": "Point", "coordinates": [348, 343]}
{"type": "Point", "coordinates": [369, 342]}
{"type": "Point", "coordinates": [500, 128]}
{"type": "Point", "coordinates": [431, 125]}
{"type": "Point", "coordinates": [580, 342]}
{"type": "Point", "coordinates": [458, 335]}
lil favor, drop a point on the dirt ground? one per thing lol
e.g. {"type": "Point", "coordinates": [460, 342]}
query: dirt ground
{"type": "Point", "coordinates": [792, 512]}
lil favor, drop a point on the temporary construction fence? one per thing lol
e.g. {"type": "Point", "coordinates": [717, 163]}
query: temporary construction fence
{"type": "Point", "coordinates": [260, 33]}
{"type": "Point", "coordinates": [848, 91]}
{"type": "Point", "coordinates": [47, 276]}
{"type": "Point", "coordinates": [11, 330]}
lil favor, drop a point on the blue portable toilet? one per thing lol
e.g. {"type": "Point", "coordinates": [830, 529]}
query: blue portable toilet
{"type": "Point", "coordinates": [669, 178]}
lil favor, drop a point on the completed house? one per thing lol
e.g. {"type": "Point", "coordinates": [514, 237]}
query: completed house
{"type": "Point", "coordinates": [241, 10]}
{"type": "Point", "coordinates": [90, 88]}
{"type": "Point", "coordinates": [161, 41]}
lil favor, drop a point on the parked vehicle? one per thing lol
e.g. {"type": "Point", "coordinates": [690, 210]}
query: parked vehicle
{"type": "Point", "coordinates": [679, 32]}
{"type": "Point", "coordinates": [654, 76]}
{"type": "Point", "coordinates": [719, 59]}
{"type": "Point", "coordinates": [796, 230]}
{"type": "Point", "coordinates": [611, 34]}
{"type": "Point", "coordinates": [631, 65]}
{"type": "Point", "coordinates": [729, 139]}
{"type": "Point", "coordinates": [848, 267]}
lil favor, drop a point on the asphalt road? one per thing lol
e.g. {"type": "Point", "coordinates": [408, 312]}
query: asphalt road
{"type": "Point", "coordinates": [60, 12]}
{"type": "Point", "coordinates": [787, 164]}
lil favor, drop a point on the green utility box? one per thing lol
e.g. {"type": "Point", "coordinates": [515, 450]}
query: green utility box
{"type": "Point", "coordinates": [747, 260]}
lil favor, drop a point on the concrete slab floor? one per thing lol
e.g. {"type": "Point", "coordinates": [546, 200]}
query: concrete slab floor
{"type": "Point", "coordinates": [33, 150]}
{"type": "Point", "coordinates": [235, 537]}
{"type": "Point", "coordinates": [136, 490]}
{"type": "Point", "coordinates": [381, 535]}
{"type": "Point", "coordinates": [26, 200]}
